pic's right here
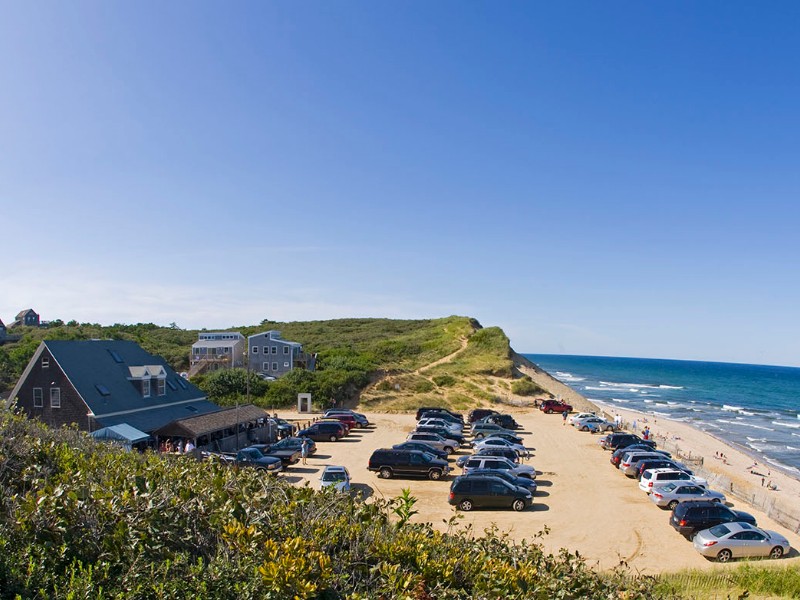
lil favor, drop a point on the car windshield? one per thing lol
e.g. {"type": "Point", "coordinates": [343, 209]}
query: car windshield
{"type": "Point", "coordinates": [333, 476]}
{"type": "Point", "coordinates": [669, 487]}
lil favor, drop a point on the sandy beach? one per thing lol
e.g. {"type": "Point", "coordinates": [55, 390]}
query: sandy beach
{"type": "Point", "coordinates": [587, 505]}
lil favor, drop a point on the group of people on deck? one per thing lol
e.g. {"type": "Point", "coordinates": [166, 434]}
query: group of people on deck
{"type": "Point", "coordinates": [176, 446]}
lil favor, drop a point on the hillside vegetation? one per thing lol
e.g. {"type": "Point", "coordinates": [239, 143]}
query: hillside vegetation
{"type": "Point", "coordinates": [383, 364]}
{"type": "Point", "coordinates": [80, 519]}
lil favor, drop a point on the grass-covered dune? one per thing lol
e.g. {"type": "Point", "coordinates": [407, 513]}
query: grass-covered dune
{"type": "Point", "coordinates": [80, 519]}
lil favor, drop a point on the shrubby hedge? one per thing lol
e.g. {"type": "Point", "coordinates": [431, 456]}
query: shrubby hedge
{"type": "Point", "coordinates": [80, 519]}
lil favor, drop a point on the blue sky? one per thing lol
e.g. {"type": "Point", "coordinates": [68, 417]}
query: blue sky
{"type": "Point", "coordinates": [594, 178]}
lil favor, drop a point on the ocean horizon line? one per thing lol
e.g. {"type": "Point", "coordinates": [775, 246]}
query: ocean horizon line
{"type": "Point", "coordinates": [658, 359]}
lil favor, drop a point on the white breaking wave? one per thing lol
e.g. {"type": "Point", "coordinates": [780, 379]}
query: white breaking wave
{"type": "Point", "coordinates": [671, 387]}
{"type": "Point", "coordinates": [628, 385]}
{"type": "Point", "coordinates": [783, 424]}
{"type": "Point", "coordinates": [620, 400]}
{"type": "Point", "coordinates": [731, 408]}
{"type": "Point", "coordinates": [564, 376]}
{"type": "Point", "coordinates": [756, 439]}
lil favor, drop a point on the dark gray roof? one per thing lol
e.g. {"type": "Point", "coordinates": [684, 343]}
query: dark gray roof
{"type": "Point", "coordinates": [99, 370]}
{"type": "Point", "coordinates": [194, 427]}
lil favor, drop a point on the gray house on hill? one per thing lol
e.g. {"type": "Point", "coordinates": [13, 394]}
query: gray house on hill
{"type": "Point", "coordinates": [273, 356]}
{"type": "Point", "coordinates": [100, 383]}
{"type": "Point", "coordinates": [27, 317]}
{"type": "Point", "coordinates": [217, 350]}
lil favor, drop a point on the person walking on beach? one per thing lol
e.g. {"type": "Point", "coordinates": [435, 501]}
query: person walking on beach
{"type": "Point", "coordinates": [633, 426]}
{"type": "Point", "coordinates": [304, 450]}
{"type": "Point", "coordinates": [564, 418]}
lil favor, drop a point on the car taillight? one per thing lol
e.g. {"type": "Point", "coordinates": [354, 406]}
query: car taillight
{"type": "Point", "coordinates": [650, 484]}
{"type": "Point", "coordinates": [682, 523]}
{"type": "Point", "coordinates": [452, 494]}
{"type": "Point", "coordinates": [707, 544]}
{"type": "Point", "coordinates": [626, 465]}
{"type": "Point", "coordinates": [657, 495]}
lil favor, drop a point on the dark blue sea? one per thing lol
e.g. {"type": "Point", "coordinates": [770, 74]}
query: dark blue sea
{"type": "Point", "coordinates": [756, 407]}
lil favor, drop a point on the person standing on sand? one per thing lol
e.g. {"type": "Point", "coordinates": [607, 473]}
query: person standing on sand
{"type": "Point", "coordinates": [304, 450]}
{"type": "Point", "coordinates": [564, 418]}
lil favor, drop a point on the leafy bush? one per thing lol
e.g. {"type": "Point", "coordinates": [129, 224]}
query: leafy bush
{"type": "Point", "coordinates": [444, 380]}
{"type": "Point", "coordinates": [80, 519]}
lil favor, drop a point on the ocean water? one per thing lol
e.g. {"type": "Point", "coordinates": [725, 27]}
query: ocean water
{"type": "Point", "coordinates": [756, 407]}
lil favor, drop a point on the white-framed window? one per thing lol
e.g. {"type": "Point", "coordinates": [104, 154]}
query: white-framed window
{"type": "Point", "coordinates": [55, 397]}
{"type": "Point", "coordinates": [38, 398]}
{"type": "Point", "coordinates": [265, 367]}
{"type": "Point", "coordinates": [286, 349]}
{"type": "Point", "coordinates": [266, 350]}
{"type": "Point", "coordinates": [286, 365]}
{"type": "Point", "coordinates": [162, 387]}
{"type": "Point", "coordinates": [274, 366]}
{"type": "Point", "coordinates": [255, 349]}
{"type": "Point", "coordinates": [145, 388]}
{"type": "Point", "coordinates": [274, 349]}
{"type": "Point", "coordinates": [45, 362]}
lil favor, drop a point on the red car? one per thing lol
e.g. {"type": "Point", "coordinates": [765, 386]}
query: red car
{"type": "Point", "coordinates": [348, 420]}
{"type": "Point", "coordinates": [554, 406]}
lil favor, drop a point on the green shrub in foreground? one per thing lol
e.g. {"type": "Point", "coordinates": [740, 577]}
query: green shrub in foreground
{"type": "Point", "coordinates": [80, 519]}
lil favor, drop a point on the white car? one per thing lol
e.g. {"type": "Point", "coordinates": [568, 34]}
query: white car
{"type": "Point", "coordinates": [495, 442]}
{"type": "Point", "coordinates": [579, 416]}
{"type": "Point", "coordinates": [654, 478]}
{"type": "Point", "coordinates": [599, 422]}
{"type": "Point", "coordinates": [338, 477]}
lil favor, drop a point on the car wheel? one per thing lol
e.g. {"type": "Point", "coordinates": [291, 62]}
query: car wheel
{"type": "Point", "coordinates": [609, 428]}
{"type": "Point", "coordinates": [465, 505]}
{"type": "Point", "coordinates": [673, 504]}
{"type": "Point", "coordinates": [334, 438]}
{"type": "Point", "coordinates": [724, 555]}
{"type": "Point", "coordinates": [435, 475]}
{"type": "Point", "coordinates": [386, 473]}
{"type": "Point", "coordinates": [518, 505]}
{"type": "Point", "coordinates": [717, 500]}
{"type": "Point", "coordinates": [776, 552]}
{"type": "Point", "coordinates": [549, 411]}
{"type": "Point", "coordinates": [479, 436]}
{"type": "Point", "coordinates": [584, 429]}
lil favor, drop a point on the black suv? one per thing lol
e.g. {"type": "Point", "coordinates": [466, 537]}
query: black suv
{"type": "Point", "coordinates": [477, 414]}
{"type": "Point", "coordinates": [438, 409]}
{"type": "Point", "coordinates": [615, 441]}
{"type": "Point", "coordinates": [505, 421]}
{"type": "Point", "coordinates": [469, 492]}
{"type": "Point", "coordinates": [690, 517]}
{"type": "Point", "coordinates": [324, 431]}
{"type": "Point", "coordinates": [391, 462]}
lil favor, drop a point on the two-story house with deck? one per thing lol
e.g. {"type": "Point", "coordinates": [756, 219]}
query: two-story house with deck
{"type": "Point", "coordinates": [217, 350]}
{"type": "Point", "coordinates": [100, 383]}
{"type": "Point", "coordinates": [273, 356]}
{"type": "Point", "coordinates": [27, 317]}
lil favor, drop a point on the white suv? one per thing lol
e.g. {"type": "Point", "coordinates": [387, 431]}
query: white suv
{"type": "Point", "coordinates": [476, 461]}
{"type": "Point", "coordinates": [652, 478]}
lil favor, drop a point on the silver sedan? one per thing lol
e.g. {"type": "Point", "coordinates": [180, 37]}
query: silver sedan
{"type": "Point", "coordinates": [672, 494]}
{"type": "Point", "coordinates": [585, 423]}
{"type": "Point", "coordinates": [494, 442]}
{"type": "Point", "coordinates": [737, 540]}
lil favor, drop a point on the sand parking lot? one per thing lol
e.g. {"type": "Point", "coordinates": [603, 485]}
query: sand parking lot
{"type": "Point", "coordinates": [589, 506]}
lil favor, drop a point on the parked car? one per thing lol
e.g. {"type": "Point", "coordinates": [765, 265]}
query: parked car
{"type": "Point", "coordinates": [345, 426]}
{"type": "Point", "coordinates": [441, 414]}
{"type": "Point", "coordinates": [324, 431]}
{"type": "Point", "coordinates": [252, 457]}
{"type": "Point", "coordinates": [690, 517]}
{"type": "Point", "coordinates": [360, 418]}
{"type": "Point", "coordinates": [584, 415]}
{"type": "Point", "coordinates": [660, 463]}
{"type": "Point", "coordinates": [477, 461]}
{"type": "Point", "coordinates": [422, 447]}
{"type": "Point", "coordinates": [737, 540]}
{"type": "Point", "coordinates": [600, 423]}
{"type": "Point", "coordinates": [497, 442]}
{"type": "Point", "coordinates": [468, 492]}
{"type": "Point", "coordinates": [389, 463]}
{"type": "Point", "coordinates": [629, 464]}
{"type": "Point", "coordinates": [508, 453]}
{"type": "Point", "coordinates": [348, 420]}
{"type": "Point", "coordinates": [478, 413]}
{"type": "Point", "coordinates": [504, 435]}
{"type": "Point", "coordinates": [671, 494]}
{"type": "Point", "coordinates": [653, 478]}
{"type": "Point", "coordinates": [289, 443]}
{"type": "Point", "coordinates": [614, 441]}
{"type": "Point", "coordinates": [434, 440]}
{"type": "Point", "coordinates": [617, 455]}
{"type": "Point", "coordinates": [335, 476]}
{"type": "Point", "coordinates": [424, 409]}
{"type": "Point", "coordinates": [480, 430]}
{"type": "Point", "coordinates": [554, 406]}
{"type": "Point", "coordinates": [283, 427]}
{"type": "Point", "coordinates": [505, 421]}
{"type": "Point", "coordinates": [508, 476]}
{"type": "Point", "coordinates": [287, 456]}
{"type": "Point", "coordinates": [428, 422]}
{"type": "Point", "coordinates": [444, 432]}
